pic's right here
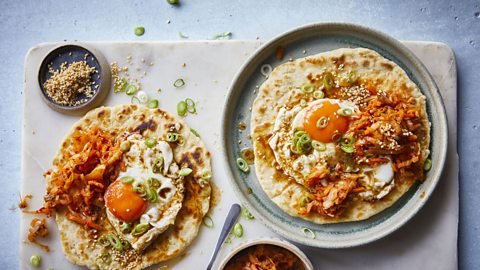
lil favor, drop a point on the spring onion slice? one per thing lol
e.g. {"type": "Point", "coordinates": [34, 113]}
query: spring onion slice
{"type": "Point", "coordinates": [266, 70]}
{"type": "Point", "coordinates": [190, 102]}
{"type": "Point", "coordinates": [142, 96]}
{"type": "Point", "coordinates": [208, 221]}
{"type": "Point", "coordinates": [35, 260]}
{"type": "Point", "coordinates": [428, 165]}
{"type": "Point", "coordinates": [182, 35]}
{"type": "Point", "coordinates": [304, 200]}
{"type": "Point", "coordinates": [131, 89]}
{"type": "Point", "coordinates": [195, 132]}
{"type": "Point", "coordinates": [185, 171]}
{"type": "Point", "coordinates": [181, 108]}
{"type": "Point", "coordinates": [206, 174]}
{"type": "Point", "coordinates": [173, 2]}
{"type": "Point", "coordinates": [246, 214]}
{"type": "Point", "coordinates": [352, 77]}
{"type": "Point", "coordinates": [318, 146]}
{"type": "Point", "coordinates": [345, 112]}
{"type": "Point", "coordinates": [179, 83]}
{"type": "Point", "coordinates": [115, 242]}
{"type": "Point", "coordinates": [303, 103]}
{"type": "Point", "coordinates": [140, 229]}
{"type": "Point", "coordinates": [318, 94]}
{"type": "Point", "coordinates": [125, 146]}
{"type": "Point", "coordinates": [242, 165]}
{"type": "Point", "coordinates": [308, 88]}
{"type": "Point", "coordinates": [135, 100]}
{"type": "Point", "coordinates": [119, 86]}
{"type": "Point", "coordinates": [225, 35]}
{"type": "Point", "coordinates": [322, 122]}
{"type": "Point", "coordinates": [139, 30]}
{"type": "Point", "coordinates": [150, 142]}
{"type": "Point", "coordinates": [308, 233]}
{"type": "Point", "coordinates": [127, 179]}
{"type": "Point", "coordinates": [328, 81]}
{"type": "Point", "coordinates": [238, 230]}
{"type": "Point", "coordinates": [153, 182]}
{"type": "Point", "coordinates": [348, 144]}
{"type": "Point", "coordinates": [172, 137]}
{"type": "Point", "coordinates": [152, 103]}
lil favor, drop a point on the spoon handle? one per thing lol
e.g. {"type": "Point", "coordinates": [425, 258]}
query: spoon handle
{"type": "Point", "coordinates": [227, 227]}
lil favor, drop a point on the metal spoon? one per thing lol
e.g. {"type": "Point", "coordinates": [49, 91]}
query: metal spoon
{"type": "Point", "coordinates": [227, 227]}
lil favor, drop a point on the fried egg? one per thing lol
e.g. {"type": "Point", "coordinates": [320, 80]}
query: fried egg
{"type": "Point", "coordinates": [378, 181]}
{"type": "Point", "coordinates": [129, 205]}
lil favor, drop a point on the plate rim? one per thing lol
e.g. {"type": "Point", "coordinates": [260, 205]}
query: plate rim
{"type": "Point", "coordinates": [436, 102]}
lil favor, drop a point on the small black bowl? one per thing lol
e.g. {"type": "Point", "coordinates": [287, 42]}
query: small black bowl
{"type": "Point", "coordinates": [73, 53]}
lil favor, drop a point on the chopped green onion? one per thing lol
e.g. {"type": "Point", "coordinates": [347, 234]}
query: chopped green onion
{"type": "Point", "coordinates": [248, 155]}
{"type": "Point", "coordinates": [179, 83]}
{"type": "Point", "coordinates": [318, 94]}
{"type": "Point", "coordinates": [173, 2]}
{"type": "Point", "coordinates": [153, 182]}
{"type": "Point", "coordinates": [345, 112]}
{"type": "Point", "coordinates": [125, 146]}
{"type": "Point", "coordinates": [172, 137]}
{"type": "Point", "coordinates": [225, 35]}
{"type": "Point", "coordinates": [150, 142]}
{"type": "Point", "coordinates": [246, 214]}
{"type": "Point", "coordinates": [206, 174]}
{"type": "Point", "coordinates": [139, 188]}
{"type": "Point", "coordinates": [203, 182]}
{"type": "Point", "coordinates": [115, 242]}
{"type": "Point", "coordinates": [190, 105]}
{"type": "Point", "coordinates": [318, 146]}
{"type": "Point", "coordinates": [238, 230]}
{"type": "Point", "coordinates": [428, 165]}
{"type": "Point", "coordinates": [152, 103]}
{"type": "Point", "coordinates": [185, 171]}
{"type": "Point", "coordinates": [139, 30]}
{"type": "Point", "coordinates": [182, 35]}
{"type": "Point", "coordinates": [106, 258]}
{"type": "Point", "coordinates": [328, 81]}
{"type": "Point", "coordinates": [195, 132]}
{"type": "Point", "coordinates": [242, 165]}
{"type": "Point", "coordinates": [303, 103]}
{"type": "Point", "coordinates": [125, 228]}
{"type": "Point", "coordinates": [157, 165]}
{"type": "Point", "coordinates": [322, 122]}
{"type": "Point", "coordinates": [35, 260]}
{"type": "Point", "coordinates": [308, 233]}
{"type": "Point", "coordinates": [208, 221]}
{"type": "Point", "coordinates": [135, 100]}
{"type": "Point", "coordinates": [127, 180]}
{"type": "Point", "coordinates": [151, 195]}
{"type": "Point", "coordinates": [140, 229]}
{"type": "Point", "coordinates": [131, 90]}
{"type": "Point", "coordinates": [348, 144]}
{"type": "Point", "coordinates": [304, 200]}
{"type": "Point", "coordinates": [308, 88]}
{"type": "Point", "coordinates": [119, 86]}
{"type": "Point", "coordinates": [181, 108]}
{"type": "Point", "coordinates": [142, 96]}
{"type": "Point", "coordinates": [352, 77]}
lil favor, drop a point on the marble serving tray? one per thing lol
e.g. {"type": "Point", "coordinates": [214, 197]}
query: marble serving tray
{"type": "Point", "coordinates": [428, 241]}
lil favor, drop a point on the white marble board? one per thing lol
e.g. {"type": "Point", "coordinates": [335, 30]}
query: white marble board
{"type": "Point", "coordinates": [428, 241]}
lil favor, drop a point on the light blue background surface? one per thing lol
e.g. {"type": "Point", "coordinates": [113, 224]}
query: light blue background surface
{"type": "Point", "coordinates": [26, 23]}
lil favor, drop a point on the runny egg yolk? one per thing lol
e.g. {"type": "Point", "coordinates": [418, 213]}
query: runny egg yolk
{"type": "Point", "coordinates": [335, 124]}
{"type": "Point", "coordinates": [124, 203]}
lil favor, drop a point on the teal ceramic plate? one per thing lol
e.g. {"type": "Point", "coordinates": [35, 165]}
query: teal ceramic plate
{"type": "Point", "coordinates": [301, 42]}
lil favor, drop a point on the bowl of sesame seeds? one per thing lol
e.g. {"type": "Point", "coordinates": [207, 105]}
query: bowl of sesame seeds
{"type": "Point", "coordinates": [74, 79]}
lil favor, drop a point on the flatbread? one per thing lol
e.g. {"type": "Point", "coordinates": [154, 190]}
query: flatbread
{"type": "Point", "coordinates": [281, 88]}
{"type": "Point", "coordinates": [81, 249]}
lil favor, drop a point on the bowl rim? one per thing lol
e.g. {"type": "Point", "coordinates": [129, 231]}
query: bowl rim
{"type": "Point", "coordinates": [100, 94]}
{"type": "Point", "coordinates": [268, 241]}
{"type": "Point", "coordinates": [436, 102]}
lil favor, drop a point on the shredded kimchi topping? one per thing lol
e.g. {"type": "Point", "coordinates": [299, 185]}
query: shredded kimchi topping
{"type": "Point", "coordinates": [265, 257]}
{"type": "Point", "coordinates": [38, 228]}
{"type": "Point", "coordinates": [388, 125]}
{"type": "Point", "coordinates": [80, 179]}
